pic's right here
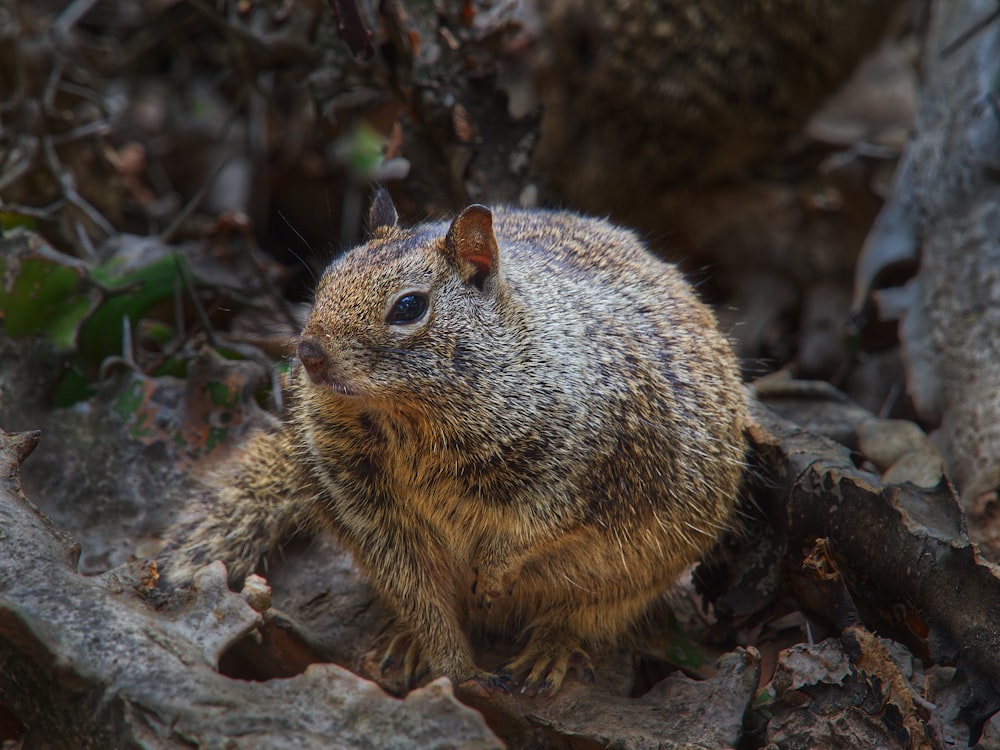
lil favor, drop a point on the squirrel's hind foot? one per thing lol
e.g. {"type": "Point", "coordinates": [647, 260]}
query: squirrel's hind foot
{"type": "Point", "coordinates": [541, 668]}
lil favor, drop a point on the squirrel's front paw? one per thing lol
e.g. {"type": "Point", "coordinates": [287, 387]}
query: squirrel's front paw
{"type": "Point", "coordinates": [406, 663]}
{"type": "Point", "coordinates": [491, 585]}
{"type": "Point", "coordinates": [402, 665]}
{"type": "Point", "coordinates": [177, 565]}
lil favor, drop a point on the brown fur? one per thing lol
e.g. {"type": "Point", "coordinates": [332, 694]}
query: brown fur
{"type": "Point", "coordinates": [542, 453]}
{"type": "Point", "coordinates": [643, 96]}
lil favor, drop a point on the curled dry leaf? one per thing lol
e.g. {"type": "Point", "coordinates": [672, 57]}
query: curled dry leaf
{"type": "Point", "coordinates": [843, 692]}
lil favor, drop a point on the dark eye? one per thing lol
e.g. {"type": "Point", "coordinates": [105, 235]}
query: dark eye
{"type": "Point", "coordinates": [408, 308]}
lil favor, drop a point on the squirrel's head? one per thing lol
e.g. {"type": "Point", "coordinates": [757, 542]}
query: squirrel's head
{"type": "Point", "coordinates": [407, 313]}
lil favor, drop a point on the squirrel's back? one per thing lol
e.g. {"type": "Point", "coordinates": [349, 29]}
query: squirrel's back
{"type": "Point", "coordinates": [626, 322]}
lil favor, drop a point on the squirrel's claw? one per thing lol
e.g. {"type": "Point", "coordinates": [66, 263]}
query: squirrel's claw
{"type": "Point", "coordinates": [486, 684]}
{"type": "Point", "coordinates": [542, 667]}
{"type": "Point", "coordinates": [404, 653]}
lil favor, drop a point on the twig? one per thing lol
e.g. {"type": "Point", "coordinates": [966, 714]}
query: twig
{"type": "Point", "coordinates": [127, 357]}
{"type": "Point", "coordinates": [183, 336]}
{"type": "Point", "coordinates": [71, 15]}
{"type": "Point", "coordinates": [34, 212]}
{"type": "Point", "coordinates": [969, 33]}
{"type": "Point", "coordinates": [167, 234]}
{"type": "Point", "coordinates": [49, 93]}
{"type": "Point", "coordinates": [198, 307]}
{"type": "Point", "coordinates": [891, 399]}
{"type": "Point", "coordinates": [49, 253]}
{"type": "Point", "coordinates": [69, 192]}
{"type": "Point", "coordinates": [98, 127]}
{"type": "Point", "coordinates": [84, 239]}
{"type": "Point", "coordinates": [14, 145]}
{"type": "Point", "coordinates": [8, 176]}
{"type": "Point", "coordinates": [83, 92]}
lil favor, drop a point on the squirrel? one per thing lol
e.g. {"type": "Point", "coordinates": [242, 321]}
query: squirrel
{"type": "Point", "coordinates": [520, 422]}
{"type": "Point", "coordinates": [642, 98]}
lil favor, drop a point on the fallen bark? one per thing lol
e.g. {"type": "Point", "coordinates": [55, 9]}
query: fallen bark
{"type": "Point", "coordinates": [902, 549]}
{"type": "Point", "coordinates": [87, 662]}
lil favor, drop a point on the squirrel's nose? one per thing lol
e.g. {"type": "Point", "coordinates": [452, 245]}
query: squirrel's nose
{"type": "Point", "coordinates": [313, 358]}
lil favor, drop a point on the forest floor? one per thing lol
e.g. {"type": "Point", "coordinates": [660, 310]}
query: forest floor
{"type": "Point", "coordinates": [173, 178]}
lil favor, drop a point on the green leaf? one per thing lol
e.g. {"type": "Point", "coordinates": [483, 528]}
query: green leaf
{"type": "Point", "coordinates": [365, 150]}
{"type": "Point", "coordinates": [130, 296]}
{"type": "Point", "coordinates": [11, 220]}
{"type": "Point", "coordinates": [73, 388]}
{"type": "Point", "coordinates": [43, 298]}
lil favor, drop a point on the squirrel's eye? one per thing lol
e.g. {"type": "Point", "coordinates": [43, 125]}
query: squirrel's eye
{"type": "Point", "coordinates": [408, 309]}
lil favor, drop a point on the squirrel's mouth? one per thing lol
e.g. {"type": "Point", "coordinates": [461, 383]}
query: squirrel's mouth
{"type": "Point", "coordinates": [337, 385]}
{"type": "Point", "coordinates": [341, 387]}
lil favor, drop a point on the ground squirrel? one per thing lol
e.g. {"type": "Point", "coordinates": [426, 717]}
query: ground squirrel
{"type": "Point", "coordinates": [644, 97]}
{"type": "Point", "coordinates": [521, 422]}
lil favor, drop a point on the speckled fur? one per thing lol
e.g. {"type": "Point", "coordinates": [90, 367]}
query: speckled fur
{"type": "Point", "coordinates": [540, 455]}
{"type": "Point", "coordinates": [643, 96]}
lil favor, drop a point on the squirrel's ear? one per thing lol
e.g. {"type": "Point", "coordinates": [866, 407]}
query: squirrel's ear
{"type": "Point", "coordinates": [382, 214]}
{"type": "Point", "coordinates": [470, 240]}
